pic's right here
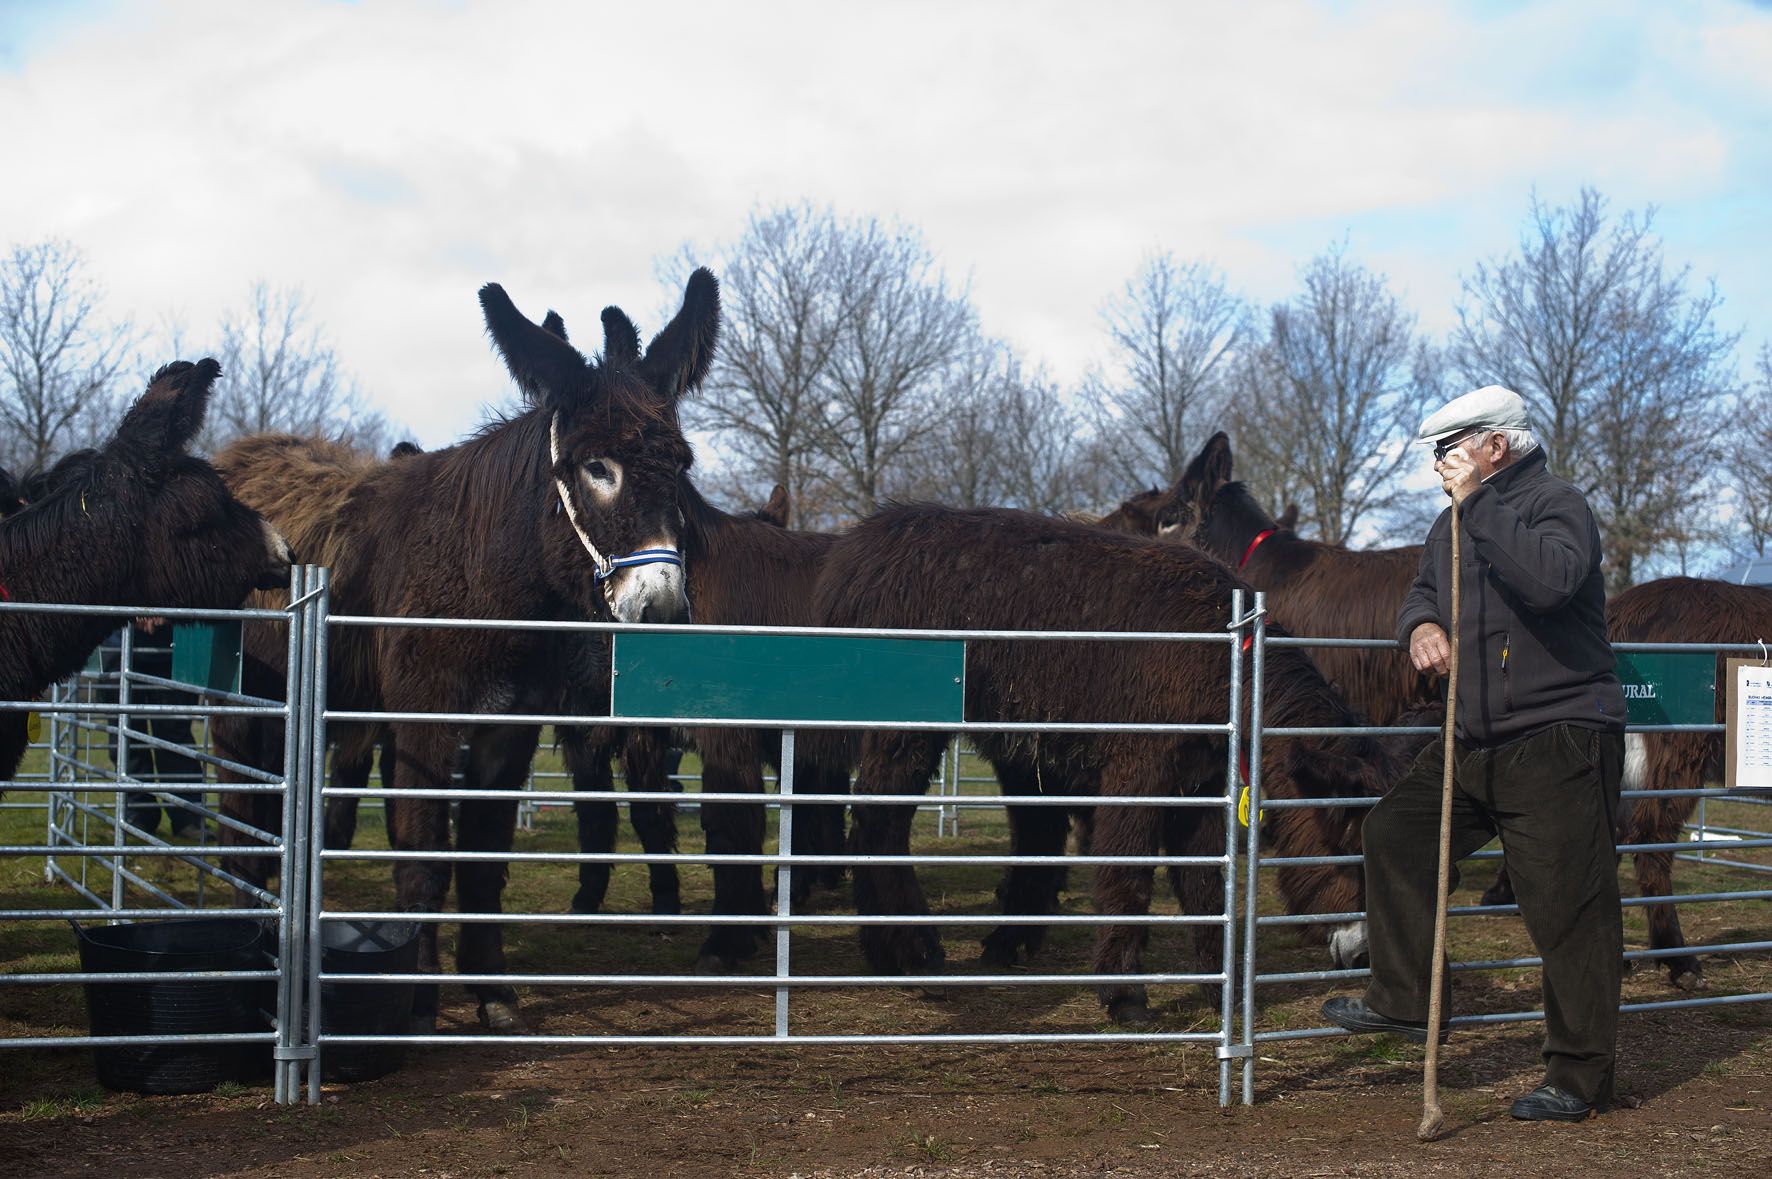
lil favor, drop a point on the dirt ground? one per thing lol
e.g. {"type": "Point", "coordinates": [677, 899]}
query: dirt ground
{"type": "Point", "coordinates": [1697, 1099]}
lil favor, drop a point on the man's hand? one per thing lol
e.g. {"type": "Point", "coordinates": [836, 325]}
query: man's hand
{"type": "Point", "coordinates": [1458, 475]}
{"type": "Point", "coordinates": [1429, 650]}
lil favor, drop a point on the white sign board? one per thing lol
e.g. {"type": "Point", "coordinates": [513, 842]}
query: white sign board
{"type": "Point", "coordinates": [1748, 764]}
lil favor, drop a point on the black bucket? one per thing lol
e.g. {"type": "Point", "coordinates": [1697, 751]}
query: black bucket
{"type": "Point", "coordinates": [175, 1007]}
{"type": "Point", "coordinates": [366, 1009]}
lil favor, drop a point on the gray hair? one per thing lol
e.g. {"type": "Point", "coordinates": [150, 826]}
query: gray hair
{"type": "Point", "coordinates": [1520, 443]}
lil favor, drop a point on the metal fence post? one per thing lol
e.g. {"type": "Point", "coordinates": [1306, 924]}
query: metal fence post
{"type": "Point", "coordinates": [121, 759]}
{"type": "Point", "coordinates": [312, 883]}
{"type": "Point", "coordinates": [285, 1065]}
{"type": "Point", "coordinates": [1252, 858]}
{"type": "Point", "coordinates": [1227, 1051]}
{"type": "Point", "coordinates": [784, 882]}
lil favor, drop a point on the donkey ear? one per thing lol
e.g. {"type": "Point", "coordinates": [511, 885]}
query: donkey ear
{"type": "Point", "coordinates": [1217, 461]}
{"type": "Point", "coordinates": [678, 358]}
{"type": "Point", "coordinates": [621, 339]}
{"type": "Point", "coordinates": [552, 323]}
{"type": "Point", "coordinates": [1288, 521]}
{"type": "Point", "coordinates": [543, 364]}
{"type": "Point", "coordinates": [9, 497]}
{"type": "Point", "coordinates": [167, 417]}
{"type": "Point", "coordinates": [776, 511]}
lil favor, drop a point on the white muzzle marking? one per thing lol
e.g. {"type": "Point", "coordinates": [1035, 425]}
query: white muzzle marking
{"type": "Point", "coordinates": [653, 592]}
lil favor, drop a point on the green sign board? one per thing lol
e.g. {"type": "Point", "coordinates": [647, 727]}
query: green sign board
{"type": "Point", "coordinates": [788, 677]}
{"type": "Point", "coordinates": [207, 655]}
{"type": "Point", "coordinates": [1669, 688]}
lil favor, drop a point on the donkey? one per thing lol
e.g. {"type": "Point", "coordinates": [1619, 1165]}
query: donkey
{"type": "Point", "coordinates": [1313, 588]}
{"type": "Point", "coordinates": [926, 566]}
{"type": "Point", "coordinates": [1671, 610]}
{"type": "Point", "coordinates": [730, 760]}
{"type": "Point", "coordinates": [748, 569]}
{"type": "Point", "coordinates": [137, 522]}
{"type": "Point", "coordinates": [525, 520]}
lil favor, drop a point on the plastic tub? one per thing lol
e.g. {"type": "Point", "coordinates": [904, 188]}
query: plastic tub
{"type": "Point", "coordinates": [175, 1007]}
{"type": "Point", "coordinates": [366, 1009]}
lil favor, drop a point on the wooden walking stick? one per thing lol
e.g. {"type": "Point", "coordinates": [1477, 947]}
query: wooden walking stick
{"type": "Point", "coordinates": [1431, 1118]}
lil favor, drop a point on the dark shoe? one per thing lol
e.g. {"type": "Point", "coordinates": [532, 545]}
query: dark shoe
{"type": "Point", "coordinates": [1355, 1016]}
{"type": "Point", "coordinates": [1547, 1103]}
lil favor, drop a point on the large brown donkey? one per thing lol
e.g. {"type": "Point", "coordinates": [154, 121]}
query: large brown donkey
{"type": "Point", "coordinates": [137, 522]}
{"type": "Point", "coordinates": [926, 566]}
{"type": "Point", "coordinates": [1671, 610]}
{"type": "Point", "coordinates": [566, 511]}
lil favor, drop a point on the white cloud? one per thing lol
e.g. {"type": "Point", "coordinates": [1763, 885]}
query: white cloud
{"type": "Point", "coordinates": [390, 157]}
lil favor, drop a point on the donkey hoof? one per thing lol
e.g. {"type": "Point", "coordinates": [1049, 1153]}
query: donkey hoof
{"type": "Point", "coordinates": [1130, 1013]}
{"type": "Point", "coordinates": [935, 993]}
{"type": "Point", "coordinates": [423, 1023]}
{"type": "Point", "coordinates": [1497, 896]}
{"type": "Point", "coordinates": [667, 905]}
{"type": "Point", "coordinates": [715, 964]}
{"type": "Point", "coordinates": [500, 1015]}
{"type": "Point", "coordinates": [999, 954]}
{"type": "Point", "coordinates": [1690, 980]}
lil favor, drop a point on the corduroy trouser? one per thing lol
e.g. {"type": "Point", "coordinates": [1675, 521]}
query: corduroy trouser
{"type": "Point", "coordinates": [1552, 797]}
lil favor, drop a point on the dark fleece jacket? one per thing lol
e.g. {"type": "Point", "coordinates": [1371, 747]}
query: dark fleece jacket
{"type": "Point", "coordinates": [1532, 640]}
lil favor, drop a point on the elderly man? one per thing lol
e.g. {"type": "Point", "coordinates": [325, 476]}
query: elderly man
{"type": "Point", "coordinates": [1537, 754]}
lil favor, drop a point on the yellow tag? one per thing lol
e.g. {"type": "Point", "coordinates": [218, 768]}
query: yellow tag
{"type": "Point", "coordinates": [1243, 809]}
{"type": "Point", "coordinates": [34, 727]}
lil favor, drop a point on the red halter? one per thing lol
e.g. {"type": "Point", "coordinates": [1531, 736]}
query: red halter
{"type": "Point", "coordinates": [1253, 545]}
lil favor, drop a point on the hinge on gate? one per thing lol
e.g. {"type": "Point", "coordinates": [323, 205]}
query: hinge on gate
{"type": "Point", "coordinates": [1234, 1051]}
{"type": "Point", "coordinates": [296, 1052]}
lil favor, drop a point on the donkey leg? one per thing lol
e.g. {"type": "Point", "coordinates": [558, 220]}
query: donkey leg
{"type": "Point", "coordinates": [1119, 949]}
{"type": "Point", "coordinates": [254, 742]}
{"type": "Point", "coordinates": [348, 773]}
{"type": "Point", "coordinates": [818, 830]}
{"type": "Point", "coordinates": [1655, 879]}
{"type": "Point", "coordinates": [732, 829]}
{"type": "Point", "coordinates": [426, 757]}
{"type": "Point", "coordinates": [1502, 891]}
{"type": "Point", "coordinates": [893, 763]}
{"type": "Point", "coordinates": [1669, 761]}
{"type": "Point", "coordinates": [1033, 831]}
{"type": "Point", "coordinates": [585, 751]}
{"type": "Point", "coordinates": [645, 764]}
{"type": "Point", "coordinates": [498, 759]}
{"type": "Point", "coordinates": [1191, 831]}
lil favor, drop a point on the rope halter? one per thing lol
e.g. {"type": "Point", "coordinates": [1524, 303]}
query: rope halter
{"type": "Point", "coordinates": [605, 566]}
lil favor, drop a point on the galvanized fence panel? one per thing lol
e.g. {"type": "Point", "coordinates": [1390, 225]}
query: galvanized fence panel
{"type": "Point", "coordinates": [1741, 839]}
{"type": "Point", "coordinates": [785, 980]}
{"type": "Point", "coordinates": [124, 873]}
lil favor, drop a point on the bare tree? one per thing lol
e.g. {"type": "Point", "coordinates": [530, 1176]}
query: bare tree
{"type": "Point", "coordinates": [1008, 439]}
{"type": "Point", "coordinates": [58, 357]}
{"type": "Point", "coordinates": [1750, 464]}
{"type": "Point", "coordinates": [1325, 406]}
{"type": "Point", "coordinates": [901, 331]}
{"type": "Point", "coordinates": [782, 295]}
{"type": "Point", "coordinates": [1625, 369]}
{"type": "Point", "coordinates": [1176, 329]}
{"type": "Point", "coordinates": [280, 373]}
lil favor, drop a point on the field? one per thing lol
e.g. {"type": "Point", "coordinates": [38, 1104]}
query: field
{"type": "Point", "coordinates": [1697, 1084]}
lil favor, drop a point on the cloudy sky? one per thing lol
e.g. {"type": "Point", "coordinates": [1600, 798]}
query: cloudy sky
{"type": "Point", "coordinates": [389, 157]}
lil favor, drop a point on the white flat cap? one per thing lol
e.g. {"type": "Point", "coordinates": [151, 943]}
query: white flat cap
{"type": "Point", "coordinates": [1492, 406]}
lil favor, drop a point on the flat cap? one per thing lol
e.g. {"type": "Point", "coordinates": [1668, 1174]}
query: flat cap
{"type": "Point", "coordinates": [1492, 407]}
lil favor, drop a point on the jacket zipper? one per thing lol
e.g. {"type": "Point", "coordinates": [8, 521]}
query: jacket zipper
{"type": "Point", "coordinates": [1507, 683]}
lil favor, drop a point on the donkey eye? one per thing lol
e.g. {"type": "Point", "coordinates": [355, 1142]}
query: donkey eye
{"type": "Point", "coordinates": [599, 470]}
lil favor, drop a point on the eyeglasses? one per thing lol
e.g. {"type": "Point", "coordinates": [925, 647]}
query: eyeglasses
{"type": "Point", "coordinates": [1445, 448]}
